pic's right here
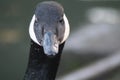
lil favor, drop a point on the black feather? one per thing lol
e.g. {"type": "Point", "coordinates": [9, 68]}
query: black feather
{"type": "Point", "coordinates": [41, 66]}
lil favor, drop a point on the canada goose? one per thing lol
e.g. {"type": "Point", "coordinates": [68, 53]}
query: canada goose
{"type": "Point", "coordinates": [49, 29]}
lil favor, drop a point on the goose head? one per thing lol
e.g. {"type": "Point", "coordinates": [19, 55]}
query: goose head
{"type": "Point", "coordinates": [49, 27]}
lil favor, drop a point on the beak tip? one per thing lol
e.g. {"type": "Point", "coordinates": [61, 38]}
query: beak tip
{"type": "Point", "coordinates": [51, 53]}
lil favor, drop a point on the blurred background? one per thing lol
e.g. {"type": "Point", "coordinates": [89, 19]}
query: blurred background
{"type": "Point", "coordinates": [92, 51]}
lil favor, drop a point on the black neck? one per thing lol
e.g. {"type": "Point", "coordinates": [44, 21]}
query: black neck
{"type": "Point", "coordinates": [40, 66]}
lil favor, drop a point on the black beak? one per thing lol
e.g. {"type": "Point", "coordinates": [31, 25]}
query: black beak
{"type": "Point", "coordinates": [50, 44]}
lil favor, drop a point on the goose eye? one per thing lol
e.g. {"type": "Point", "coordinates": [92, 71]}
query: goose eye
{"type": "Point", "coordinates": [61, 21]}
{"type": "Point", "coordinates": [36, 20]}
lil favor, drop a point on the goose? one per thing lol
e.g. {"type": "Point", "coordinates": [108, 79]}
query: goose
{"type": "Point", "coordinates": [48, 30]}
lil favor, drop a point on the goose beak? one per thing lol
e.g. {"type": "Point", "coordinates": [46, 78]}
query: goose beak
{"type": "Point", "coordinates": [50, 44]}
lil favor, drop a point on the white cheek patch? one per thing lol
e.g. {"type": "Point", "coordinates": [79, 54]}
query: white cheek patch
{"type": "Point", "coordinates": [31, 30]}
{"type": "Point", "coordinates": [67, 28]}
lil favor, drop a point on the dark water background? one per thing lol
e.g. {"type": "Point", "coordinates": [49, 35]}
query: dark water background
{"type": "Point", "coordinates": [15, 16]}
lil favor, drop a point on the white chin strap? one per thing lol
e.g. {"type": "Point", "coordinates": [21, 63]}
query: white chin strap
{"type": "Point", "coordinates": [31, 30]}
{"type": "Point", "coordinates": [32, 33]}
{"type": "Point", "coordinates": [67, 28]}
